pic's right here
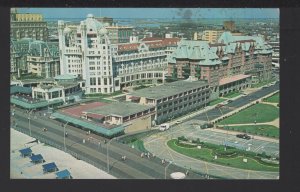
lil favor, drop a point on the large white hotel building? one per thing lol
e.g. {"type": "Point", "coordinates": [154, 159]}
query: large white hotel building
{"type": "Point", "coordinates": [106, 68]}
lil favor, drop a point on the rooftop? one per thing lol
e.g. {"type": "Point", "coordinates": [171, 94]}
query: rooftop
{"type": "Point", "coordinates": [233, 79]}
{"type": "Point", "coordinates": [168, 89]}
{"type": "Point", "coordinates": [120, 109]}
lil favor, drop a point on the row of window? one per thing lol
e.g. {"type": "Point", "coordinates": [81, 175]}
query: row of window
{"type": "Point", "coordinates": [184, 94]}
{"type": "Point", "coordinates": [181, 107]}
{"type": "Point", "coordinates": [104, 90]}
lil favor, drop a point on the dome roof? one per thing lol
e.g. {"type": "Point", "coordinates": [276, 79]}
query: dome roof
{"type": "Point", "coordinates": [67, 30]}
{"type": "Point", "coordinates": [103, 31]}
{"type": "Point", "coordinates": [90, 16]}
{"type": "Point", "coordinates": [92, 24]}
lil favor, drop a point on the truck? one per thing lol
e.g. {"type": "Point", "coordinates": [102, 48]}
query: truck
{"type": "Point", "coordinates": [164, 127]}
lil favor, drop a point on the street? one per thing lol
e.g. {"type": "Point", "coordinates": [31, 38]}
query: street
{"type": "Point", "coordinates": [133, 167]}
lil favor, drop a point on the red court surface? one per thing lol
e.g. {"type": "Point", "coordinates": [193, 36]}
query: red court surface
{"type": "Point", "coordinates": [77, 111]}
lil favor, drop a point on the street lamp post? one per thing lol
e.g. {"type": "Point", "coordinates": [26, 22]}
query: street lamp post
{"type": "Point", "coordinates": [167, 168]}
{"type": "Point", "coordinates": [107, 155]}
{"type": "Point", "coordinates": [65, 135]}
{"type": "Point", "coordinates": [29, 125]}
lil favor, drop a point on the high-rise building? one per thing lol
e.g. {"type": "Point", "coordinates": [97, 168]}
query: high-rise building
{"type": "Point", "coordinates": [211, 36]}
{"type": "Point", "coordinates": [28, 25]}
{"type": "Point", "coordinates": [106, 67]}
{"type": "Point", "coordinates": [229, 26]}
{"type": "Point", "coordinates": [119, 34]}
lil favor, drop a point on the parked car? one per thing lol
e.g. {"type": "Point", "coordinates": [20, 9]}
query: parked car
{"type": "Point", "coordinates": [229, 101]}
{"type": "Point", "coordinates": [219, 105]}
{"type": "Point", "coordinates": [178, 122]}
{"type": "Point", "coordinates": [243, 136]}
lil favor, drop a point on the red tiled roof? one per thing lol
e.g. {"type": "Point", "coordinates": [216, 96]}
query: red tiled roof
{"type": "Point", "coordinates": [152, 39]}
{"type": "Point", "coordinates": [95, 116]}
{"type": "Point", "coordinates": [128, 47]}
{"type": "Point", "coordinates": [77, 111]}
{"type": "Point", "coordinates": [157, 43]}
{"type": "Point", "coordinates": [232, 79]}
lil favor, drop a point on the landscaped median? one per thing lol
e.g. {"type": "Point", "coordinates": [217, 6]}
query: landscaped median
{"type": "Point", "coordinates": [232, 157]}
{"type": "Point", "coordinates": [272, 99]}
{"type": "Point", "coordinates": [259, 113]}
{"type": "Point", "coordinates": [216, 101]}
{"type": "Point", "coordinates": [232, 94]}
{"type": "Point", "coordinates": [261, 130]}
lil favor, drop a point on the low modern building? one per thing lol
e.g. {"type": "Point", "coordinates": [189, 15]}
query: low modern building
{"type": "Point", "coordinates": [136, 117]}
{"type": "Point", "coordinates": [48, 92]}
{"type": "Point", "coordinates": [174, 99]}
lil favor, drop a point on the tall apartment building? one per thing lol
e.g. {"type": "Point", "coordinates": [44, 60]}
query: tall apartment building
{"type": "Point", "coordinates": [119, 34]}
{"type": "Point", "coordinates": [27, 25]}
{"type": "Point", "coordinates": [35, 57]}
{"type": "Point", "coordinates": [106, 67]}
{"type": "Point", "coordinates": [227, 65]}
{"type": "Point", "coordinates": [211, 36]}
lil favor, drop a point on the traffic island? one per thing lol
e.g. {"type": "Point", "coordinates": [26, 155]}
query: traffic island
{"type": "Point", "coordinates": [230, 156]}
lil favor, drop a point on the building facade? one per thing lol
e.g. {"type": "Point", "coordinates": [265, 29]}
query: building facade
{"type": "Point", "coordinates": [29, 56]}
{"type": "Point", "coordinates": [65, 88]}
{"type": "Point", "coordinates": [28, 25]}
{"type": "Point", "coordinates": [233, 60]}
{"type": "Point", "coordinates": [211, 36]}
{"type": "Point", "coordinates": [119, 34]}
{"type": "Point", "coordinates": [174, 99]}
{"type": "Point", "coordinates": [106, 67]}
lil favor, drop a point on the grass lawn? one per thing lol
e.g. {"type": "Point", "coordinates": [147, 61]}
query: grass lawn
{"type": "Point", "coordinates": [206, 154]}
{"type": "Point", "coordinates": [263, 130]}
{"type": "Point", "coordinates": [262, 83]}
{"type": "Point", "coordinates": [260, 112]}
{"type": "Point", "coordinates": [273, 99]}
{"type": "Point", "coordinates": [138, 145]}
{"type": "Point", "coordinates": [232, 95]}
{"type": "Point", "coordinates": [216, 101]}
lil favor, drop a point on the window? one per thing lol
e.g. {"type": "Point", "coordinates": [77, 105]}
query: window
{"type": "Point", "coordinates": [99, 81]}
{"type": "Point", "coordinates": [93, 81]}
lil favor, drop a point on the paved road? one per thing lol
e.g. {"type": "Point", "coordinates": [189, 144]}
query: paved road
{"type": "Point", "coordinates": [215, 113]}
{"type": "Point", "coordinates": [157, 144]}
{"type": "Point", "coordinates": [134, 166]}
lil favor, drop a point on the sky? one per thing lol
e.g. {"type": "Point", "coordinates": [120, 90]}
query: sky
{"type": "Point", "coordinates": [155, 12]}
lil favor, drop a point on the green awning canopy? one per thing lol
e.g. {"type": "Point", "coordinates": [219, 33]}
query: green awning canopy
{"type": "Point", "coordinates": [92, 126]}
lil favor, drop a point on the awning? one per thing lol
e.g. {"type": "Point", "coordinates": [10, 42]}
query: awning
{"type": "Point", "coordinates": [37, 158]}
{"type": "Point", "coordinates": [26, 152]}
{"type": "Point", "coordinates": [90, 125]}
{"type": "Point", "coordinates": [50, 167]}
{"type": "Point", "coordinates": [64, 174]}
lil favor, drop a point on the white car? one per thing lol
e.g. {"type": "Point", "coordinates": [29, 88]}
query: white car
{"type": "Point", "coordinates": [178, 122]}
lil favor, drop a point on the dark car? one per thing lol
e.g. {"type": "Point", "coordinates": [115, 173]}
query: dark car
{"type": "Point", "coordinates": [229, 101]}
{"type": "Point", "coordinates": [243, 136]}
{"type": "Point", "coordinates": [219, 106]}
